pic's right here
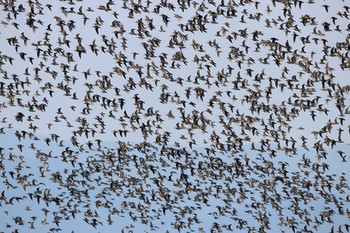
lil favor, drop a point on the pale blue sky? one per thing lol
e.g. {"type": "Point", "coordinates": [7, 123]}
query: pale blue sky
{"type": "Point", "coordinates": [104, 65]}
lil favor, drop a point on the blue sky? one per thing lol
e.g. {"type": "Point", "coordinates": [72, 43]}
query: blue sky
{"type": "Point", "coordinates": [297, 96]}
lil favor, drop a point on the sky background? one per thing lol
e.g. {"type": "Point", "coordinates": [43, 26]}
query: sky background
{"type": "Point", "coordinates": [59, 118]}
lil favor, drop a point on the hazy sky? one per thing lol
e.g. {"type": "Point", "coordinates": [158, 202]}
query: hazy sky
{"type": "Point", "coordinates": [234, 60]}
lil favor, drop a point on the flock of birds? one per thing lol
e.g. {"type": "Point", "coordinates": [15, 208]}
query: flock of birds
{"type": "Point", "coordinates": [174, 116]}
